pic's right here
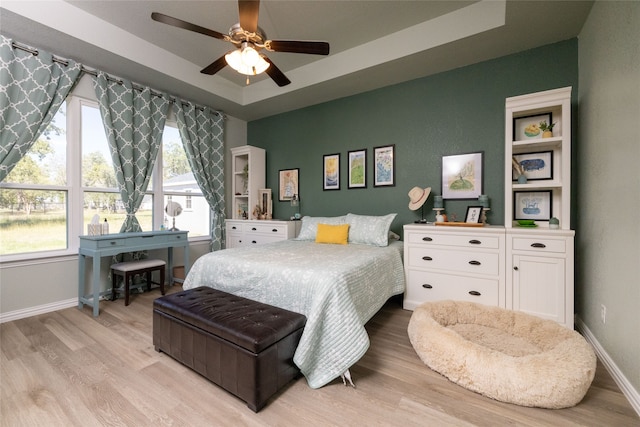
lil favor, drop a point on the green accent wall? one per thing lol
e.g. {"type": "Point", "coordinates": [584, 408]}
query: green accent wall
{"type": "Point", "coordinates": [455, 112]}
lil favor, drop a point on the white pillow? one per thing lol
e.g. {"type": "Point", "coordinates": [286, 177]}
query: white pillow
{"type": "Point", "coordinates": [369, 230]}
{"type": "Point", "coordinates": [309, 227]}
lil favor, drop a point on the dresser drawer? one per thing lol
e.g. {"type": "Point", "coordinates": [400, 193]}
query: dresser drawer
{"type": "Point", "coordinates": [234, 227]}
{"type": "Point", "coordinates": [111, 243]}
{"type": "Point", "coordinates": [258, 239]}
{"type": "Point", "coordinates": [272, 229]}
{"type": "Point", "coordinates": [428, 286]}
{"type": "Point", "coordinates": [460, 240]}
{"type": "Point", "coordinates": [454, 260]}
{"type": "Point", "coordinates": [539, 244]}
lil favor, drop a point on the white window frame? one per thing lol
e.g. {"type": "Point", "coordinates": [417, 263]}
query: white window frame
{"type": "Point", "coordinates": [75, 191]}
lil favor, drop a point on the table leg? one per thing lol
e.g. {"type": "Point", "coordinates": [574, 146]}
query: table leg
{"type": "Point", "coordinates": [81, 272]}
{"type": "Point", "coordinates": [170, 264]}
{"type": "Point", "coordinates": [96, 286]}
{"type": "Point", "coordinates": [186, 260]}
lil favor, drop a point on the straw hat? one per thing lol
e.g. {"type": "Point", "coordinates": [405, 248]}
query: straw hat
{"type": "Point", "coordinates": [418, 196]}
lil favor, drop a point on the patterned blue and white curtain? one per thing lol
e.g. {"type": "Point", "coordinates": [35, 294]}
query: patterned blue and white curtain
{"type": "Point", "coordinates": [202, 133]}
{"type": "Point", "coordinates": [32, 88]}
{"type": "Point", "coordinates": [133, 120]}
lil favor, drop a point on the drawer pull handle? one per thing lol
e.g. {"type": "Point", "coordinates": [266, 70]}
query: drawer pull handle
{"type": "Point", "coordinates": [275, 230]}
{"type": "Point", "coordinates": [113, 243]}
{"type": "Point", "coordinates": [515, 268]}
{"type": "Point", "coordinates": [475, 293]}
{"type": "Point", "coordinates": [427, 239]}
{"type": "Point", "coordinates": [475, 242]}
{"type": "Point", "coordinates": [178, 237]}
{"type": "Point", "coordinates": [538, 245]}
{"type": "Point", "coordinates": [427, 258]}
{"type": "Point", "coordinates": [253, 241]}
{"type": "Point", "coordinates": [473, 262]}
{"type": "Point", "coordinates": [253, 229]}
{"type": "Point", "coordinates": [234, 228]}
{"type": "Point", "coordinates": [427, 286]}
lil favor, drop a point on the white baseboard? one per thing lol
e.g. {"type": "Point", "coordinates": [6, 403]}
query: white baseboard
{"type": "Point", "coordinates": [34, 311]}
{"type": "Point", "coordinates": [629, 392]}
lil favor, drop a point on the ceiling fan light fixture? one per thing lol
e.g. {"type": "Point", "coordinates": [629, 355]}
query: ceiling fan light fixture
{"type": "Point", "coordinates": [246, 60]}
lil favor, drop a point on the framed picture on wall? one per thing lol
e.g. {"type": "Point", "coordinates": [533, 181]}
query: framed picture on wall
{"type": "Point", "coordinates": [462, 176]}
{"type": "Point", "coordinates": [532, 205]}
{"type": "Point", "coordinates": [358, 168]}
{"type": "Point", "coordinates": [288, 184]}
{"type": "Point", "coordinates": [384, 166]}
{"type": "Point", "coordinates": [331, 172]}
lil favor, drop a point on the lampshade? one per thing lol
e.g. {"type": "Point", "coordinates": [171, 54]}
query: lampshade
{"type": "Point", "coordinates": [247, 60]}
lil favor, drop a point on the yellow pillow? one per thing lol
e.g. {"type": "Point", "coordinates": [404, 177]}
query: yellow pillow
{"type": "Point", "coordinates": [332, 234]}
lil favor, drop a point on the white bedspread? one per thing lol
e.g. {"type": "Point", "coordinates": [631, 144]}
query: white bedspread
{"type": "Point", "coordinates": [338, 287]}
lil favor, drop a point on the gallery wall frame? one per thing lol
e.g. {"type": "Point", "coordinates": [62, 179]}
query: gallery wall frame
{"type": "Point", "coordinates": [288, 184]}
{"type": "Point", "coordinates": [462, 175]}
{"type": "Point", "coordinates": [384, 166]}
{"type": "Point", "coordinates": [331, 172]}
{"type": "Point", "coordinates": [357, 165]}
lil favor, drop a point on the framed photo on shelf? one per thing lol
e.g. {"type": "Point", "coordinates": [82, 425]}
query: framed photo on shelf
{"type": "Point", "coordinates": [265, 206]}
{"type": "Point", "coordinates": [528, 127]}
{"type": "Point", "coordinates": [462, 176]}
{"type": "Point", "coordinates": [536, 166]}
{"type": "Point", "coordinates": [288, 184]}
{"type": "Point", "coordinates": [474, 214]}
{"type": "Point", "coordinates": [331, 172]}
{"type": "Point", "coordinates": [532, 205]}
{"type": "Point", "coordinates": [358, 168]}
{"type": "Point", "coordinates": [384, 166]}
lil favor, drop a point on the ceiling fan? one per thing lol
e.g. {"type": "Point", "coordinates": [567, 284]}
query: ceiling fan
{"type": "Point", "coordinates": [249, 39]}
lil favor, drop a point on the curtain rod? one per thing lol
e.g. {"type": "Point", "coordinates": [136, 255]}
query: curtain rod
{"type": "Point", "coordinates": [94, 73]}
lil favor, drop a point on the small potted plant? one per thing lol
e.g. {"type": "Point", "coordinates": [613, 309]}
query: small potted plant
{"type": "Point", "coordinates": [547, 130]}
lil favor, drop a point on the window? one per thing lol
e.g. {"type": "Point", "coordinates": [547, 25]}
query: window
{"type": "Point", "coordinates": [34, 198]}
{"type": "Point", "coordinates": [67, 179]}
{"type": "Point", "coordinates": [179, 185]}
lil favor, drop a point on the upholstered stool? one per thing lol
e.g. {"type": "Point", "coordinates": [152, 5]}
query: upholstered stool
{"type": "Point", "coordinates": [244, 346]}
{"type": "Point", "coordinates": [130, 268]}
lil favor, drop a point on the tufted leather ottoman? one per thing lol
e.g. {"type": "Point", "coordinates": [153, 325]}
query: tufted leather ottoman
{"type": "Point", "coordinates": [244, 346]}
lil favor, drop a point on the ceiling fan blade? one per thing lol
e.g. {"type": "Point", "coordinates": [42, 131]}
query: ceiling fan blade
{"type": "Point", "coordinates": [248, 11]}
{"type": "Point", "coordinates": [215, 66]}
{"type": "Point", "coordinates": [298, 46]}
{"type": "Point", "coordinates": [166, 19]}
{"type": "Point", "coordinates": [275, 73]}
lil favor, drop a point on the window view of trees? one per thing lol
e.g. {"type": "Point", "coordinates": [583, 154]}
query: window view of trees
{"type": "Point", "coordinates": [34, 198]}
{"type": "Point", "coordinates": [37, 198]}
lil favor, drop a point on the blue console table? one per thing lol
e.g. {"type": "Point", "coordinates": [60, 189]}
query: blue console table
{"type": "Point", "coordinates": [113, 244]}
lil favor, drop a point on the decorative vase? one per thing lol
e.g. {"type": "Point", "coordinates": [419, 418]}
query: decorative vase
{"type": "Point", "coordinates": [522, 179]}
{"type": "Point", "coordinates": [547, 134]}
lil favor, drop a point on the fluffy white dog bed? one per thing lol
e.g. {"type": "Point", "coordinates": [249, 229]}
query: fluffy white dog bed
{"type": "Point", "coordinates": [506, 355]}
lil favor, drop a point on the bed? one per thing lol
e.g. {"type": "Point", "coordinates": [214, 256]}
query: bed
{"type": "Point", "coordinates": [337, 287]}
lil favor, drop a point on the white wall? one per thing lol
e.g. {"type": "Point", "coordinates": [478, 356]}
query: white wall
{"type": "Point", "coordinates": [608, 182]}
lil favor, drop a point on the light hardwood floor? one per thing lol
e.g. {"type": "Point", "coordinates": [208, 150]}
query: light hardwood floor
{"type": "Point", "coordinates": [69, 369]}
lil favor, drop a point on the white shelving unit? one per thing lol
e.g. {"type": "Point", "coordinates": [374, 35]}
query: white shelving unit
{"type": "Point", "coordinates": [540, 260]}
{"type": "Point", "coordinates": [248, 169]}
{"type": "Point", "coordinates": [558, 103]}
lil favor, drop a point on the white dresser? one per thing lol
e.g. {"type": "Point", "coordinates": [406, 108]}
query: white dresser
{"type": "Point", "coordinates": [458, 263]}
{"type": "Point", "coordinates": [254, 232]}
